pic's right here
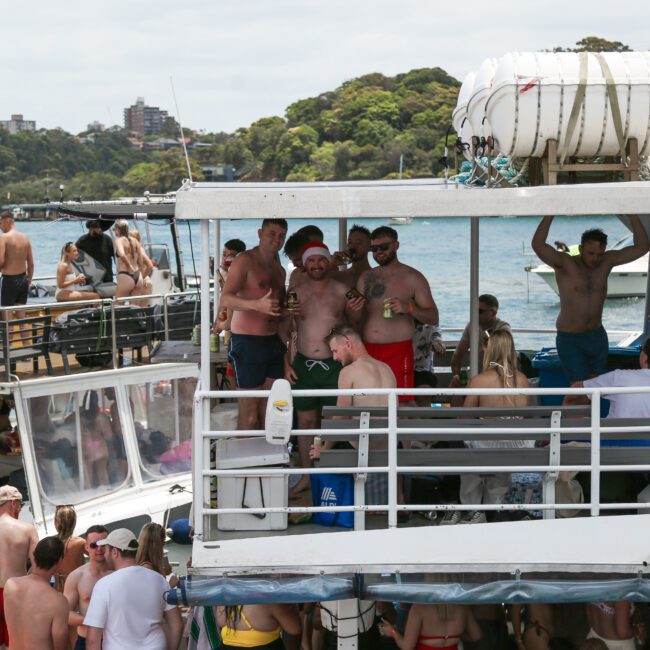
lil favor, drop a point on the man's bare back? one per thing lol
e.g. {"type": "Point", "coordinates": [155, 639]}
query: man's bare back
{"type": "Point", "coordinates": [367, 372]}
{"type": "Point", "coordinates": [16, 254]}
{"type": "Point", "coordinates": [253, 277]}
{"type": "Point", "coordinates": [37, 615]}
{"type": "Point", "coordinates": [17, 542]}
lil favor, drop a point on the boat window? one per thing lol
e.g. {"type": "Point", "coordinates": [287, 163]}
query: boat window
{"type": "Point", "coordinates": [78, 445]}
{"type": "Point", "coordinates": [162, 413]}
{"type": "Point", "coordinates": [159, 255]}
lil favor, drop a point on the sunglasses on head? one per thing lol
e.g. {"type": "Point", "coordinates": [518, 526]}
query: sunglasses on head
{"type": "Point", "coordinates": [375, 248]}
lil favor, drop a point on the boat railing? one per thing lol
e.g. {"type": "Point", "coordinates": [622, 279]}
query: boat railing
{"type": "Point", "coordinates": [104, 326]}
{"type": "Point", "coordinates": [582, 435]}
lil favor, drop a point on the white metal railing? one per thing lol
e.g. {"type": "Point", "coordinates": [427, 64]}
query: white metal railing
{"type": "Point", "coordinates": [204, 474]}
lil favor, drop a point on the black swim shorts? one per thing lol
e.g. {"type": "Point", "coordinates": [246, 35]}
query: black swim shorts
{"type": "Point", "coordinates": [256, 358]}
{"type": "Point", "coordinates": [13, 289]}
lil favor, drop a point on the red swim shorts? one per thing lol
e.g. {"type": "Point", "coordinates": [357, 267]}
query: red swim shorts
{"type": "Point", "coordinates": [398, 357]}
{"type": "Point", "coordinates": [4, 633]}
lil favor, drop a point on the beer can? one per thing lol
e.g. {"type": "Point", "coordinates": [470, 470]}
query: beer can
{"type": "Point", "coordinates": [318, 441]}
{"type": "Point", "coordinates": [196, 335]}
{"type": "Point", "coordinates": [292, 299]}
{"type": "Point", "coordinates": [214, 342]}
{"type": "Point", "coordinates": [388, 312]}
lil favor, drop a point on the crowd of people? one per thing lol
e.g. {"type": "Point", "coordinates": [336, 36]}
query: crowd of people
{"type": "Point", "coordinates": [133, 266]}
{"type": "Point", "coordinates": [108, 590]}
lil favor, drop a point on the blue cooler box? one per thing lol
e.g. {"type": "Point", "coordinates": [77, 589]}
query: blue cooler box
{"type": "Point", "coordinates": [551, 374]}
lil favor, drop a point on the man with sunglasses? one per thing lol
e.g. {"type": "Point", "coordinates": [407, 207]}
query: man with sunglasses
{"type": "Point", "coordinates": [81, 582]}
{"type": "Point", "coordinates": [395, 294]}
{"type": "Point", "coordinates": [18, 540]}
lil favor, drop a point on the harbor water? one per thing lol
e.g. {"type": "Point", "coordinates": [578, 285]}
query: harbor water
{"type": "Point", "coordinates": [439, 248]}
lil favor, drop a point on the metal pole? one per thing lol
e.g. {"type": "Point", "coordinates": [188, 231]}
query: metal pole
{"type": "Point", "coordinates": [205, 304]}
{"type": "Point", "coordinates": [595, 453]}
{"type": "Point", "coordinates": [392, 460]}
{"type": "Point", "coordinates": [473, 296]}
{"type": "Point", "coordinates": [343, 234]}
{"type": "Point", "coordinates": [166, 317]}
{"type": "Point", "coordinates": [217, 260]}
{"type": "Point", "coordinates": [114, 336]}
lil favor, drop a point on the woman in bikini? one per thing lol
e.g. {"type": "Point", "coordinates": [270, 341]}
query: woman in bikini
{"type": "Point", "coordinates": [146, 268]}
{"type": "Point", "coordinates": [539, 627]}
{"type": "Point", "coordinates": [257, 626]}
{"type": "Point", "coordinates": [65, 520]}
{"type": "Point", "coordinates": [71, 285]}
{"type": "Point", "coordinates": [95, 432]}
{"type": "Point", "coordinates": [128, 251]}
{"type": "Point", "coordinates": [434, 626]}
{"type": "Point", "coordinates": [611, 622]}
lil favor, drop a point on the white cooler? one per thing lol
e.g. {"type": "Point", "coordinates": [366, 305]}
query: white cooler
{"type": "Point", "coordinates": [251, 491]}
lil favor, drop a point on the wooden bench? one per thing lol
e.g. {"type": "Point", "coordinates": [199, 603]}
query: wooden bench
{"type": "Point", "coordinates": [25, 339]}
{"type": "Point", "coordinates": [433, 425]}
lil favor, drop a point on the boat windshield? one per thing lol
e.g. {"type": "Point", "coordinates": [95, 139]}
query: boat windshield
{"type": "Point", "coordinates": [78, 445]}
{"type": "Point", "coordinates": [162, 414]}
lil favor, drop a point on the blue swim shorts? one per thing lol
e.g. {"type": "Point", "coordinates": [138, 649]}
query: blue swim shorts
{"type": "Point", "coordinates": [583, 354]}
{"type": "Point", "coordinates": [255, 359]}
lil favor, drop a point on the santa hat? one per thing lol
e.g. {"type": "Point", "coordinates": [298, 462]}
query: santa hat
{"type": "Point", "coordinates": [315, 248]}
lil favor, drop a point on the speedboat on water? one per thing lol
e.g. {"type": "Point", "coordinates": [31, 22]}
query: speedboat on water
{"type": "Point", "coordinates": [400, 221]}
{"type": "Point", "coordinates": [625, 281]}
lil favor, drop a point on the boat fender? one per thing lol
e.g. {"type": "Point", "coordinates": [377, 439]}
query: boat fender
{"type": "Point", "coordinates": [179, 531]}
{"type": "Point", "coordinates": [279, 413]}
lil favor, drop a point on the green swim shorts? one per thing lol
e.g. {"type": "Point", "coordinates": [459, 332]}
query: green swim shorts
{"type": "Point", "coordinates": [316, 374]}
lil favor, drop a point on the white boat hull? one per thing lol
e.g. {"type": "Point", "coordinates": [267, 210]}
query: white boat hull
{"type": "Point", "coordinates": [625, 281]}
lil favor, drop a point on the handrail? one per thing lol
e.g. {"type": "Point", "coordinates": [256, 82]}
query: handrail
{"type": "Point", "coordinates": [204, 473]}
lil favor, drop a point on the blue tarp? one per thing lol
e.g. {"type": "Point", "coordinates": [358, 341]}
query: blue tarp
{"type": "Point", "coordinates": [240, 591]}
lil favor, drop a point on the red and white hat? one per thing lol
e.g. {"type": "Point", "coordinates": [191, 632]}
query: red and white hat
{"type": "Point", "coordinates": [315, 248]}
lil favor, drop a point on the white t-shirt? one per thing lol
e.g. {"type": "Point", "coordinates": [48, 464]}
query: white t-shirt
{"type": "Point", "coordinates": [129, 605]}
{"type": "Point", "coordinates": [624, 405]}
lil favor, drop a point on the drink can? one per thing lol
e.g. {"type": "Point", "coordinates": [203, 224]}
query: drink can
{"type": "Point", "coordinates": [318, 441]}
{"type": "Point", "coordinates": [292, 299]}
{"type": "Point", "coordinates": [388, 312]}
{"type": "Point", "coordinates": [214, 342]}
{"type": "Point", "coordinates": [226, 339]}
{"type": "Point", "coordinates": [196, 335]}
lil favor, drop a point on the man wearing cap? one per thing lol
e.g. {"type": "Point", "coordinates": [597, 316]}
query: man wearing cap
{"type": "Point", "coordinates": [37, 615]}
{"type": "Point", "coordinates": [99, 246]}
{"type": "Point", "coordinates": [127, 608]}
{"type": "Point", "coordinates": [81, 582]}
{"type": "Point", "coordinates": [322, 305]}
{"type": "Point", "coordinates": [396, 295]}
{"type": "Point", "coordinates": [18, 540]}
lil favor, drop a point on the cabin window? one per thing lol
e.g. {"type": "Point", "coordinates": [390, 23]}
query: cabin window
{"type": "Point", "coordinates": [78, 444]}
{"type": "Point", "coordinates": [163, 425]}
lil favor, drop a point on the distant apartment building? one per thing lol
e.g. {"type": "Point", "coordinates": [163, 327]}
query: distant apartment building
{"type": "Point", "coordinates": [17, 123]}
{"type": "Point", "coordinates": [144, 120]}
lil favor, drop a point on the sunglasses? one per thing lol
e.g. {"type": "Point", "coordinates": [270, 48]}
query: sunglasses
{"type": "Point", "coordinates": [375, 248]}
{"type": "Point", "coordinates": [483, 311]}
{"type": "Point", "coordinates": [335, 331]}
{"type": "Point", "coordinates": [95, 545]}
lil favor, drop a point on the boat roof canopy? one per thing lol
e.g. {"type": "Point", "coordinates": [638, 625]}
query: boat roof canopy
{"type": "Point", "coordinates": [428, 198]}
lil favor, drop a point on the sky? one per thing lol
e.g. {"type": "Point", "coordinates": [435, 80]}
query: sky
{"type": "Point", "coordinates": [68, 63]}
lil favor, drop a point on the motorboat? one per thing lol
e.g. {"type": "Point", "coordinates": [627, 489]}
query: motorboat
{"type": "Point", "coordinates": [400, 221]}
{"type": "Point", "coordinates": [625, 281]}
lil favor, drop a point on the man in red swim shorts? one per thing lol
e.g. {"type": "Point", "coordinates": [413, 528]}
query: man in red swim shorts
{"type": "Point", "coordinates": [395, 294]}
{"type": "Point", "coordinates": [17, 542]}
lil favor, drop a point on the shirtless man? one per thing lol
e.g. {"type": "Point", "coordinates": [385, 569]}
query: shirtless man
{"type": "Point", "coordinates": [406, 293]}
{"type": "Point", "coordinates": [582, 283]}
{"type": "Point", "coordinates": [17, 542]}
{"type": "Point", "coordinates": [129, 258]}
{"type": "Point", "coordinates": [357, 252]}
{"type": "Point", "coordinates": [80, 583]}
{"type": "Point", "coordinates": [254, 290]}
{"type": "Point", "coordinates": [37, 615]}
{"type": "Point", "coordinates": [16, 265]}
{"type": "Point", "coordinates": [322, 305]}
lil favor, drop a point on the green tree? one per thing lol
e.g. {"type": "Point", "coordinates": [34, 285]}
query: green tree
{"type": "Point", "coordinates": [595, 44]}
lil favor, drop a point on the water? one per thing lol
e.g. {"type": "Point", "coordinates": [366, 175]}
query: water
{"type": "Point", "coordinates": [439, 248]}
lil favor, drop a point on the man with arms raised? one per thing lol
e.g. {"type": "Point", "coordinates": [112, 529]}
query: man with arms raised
{"type": "Point", "coordinates": [80, 583]}
{"type": "Point", "coordinates": [582, 283]}
{"type": "Point", "coordinates": [127, 608]}
{"type": "Point", "coordinates": [322, 305]}
{"type": "Point", "coordinates": [357, 253]}
{"type": "Point", "coordinates": [16, 265]}
{"type": "Point", "coordinates": [17, 542]}
{"type": "Point", "coordinates": [37, 615]}
{"type": "Point", "coordinates": [395, 294]}
{"type": "Point", "coordinates": [254, 290]}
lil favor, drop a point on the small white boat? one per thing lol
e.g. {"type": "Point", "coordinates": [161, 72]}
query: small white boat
{"type": "Point", "coordinates": [625, 281]}
{"type": "Point", "coordinates": [400, 221]}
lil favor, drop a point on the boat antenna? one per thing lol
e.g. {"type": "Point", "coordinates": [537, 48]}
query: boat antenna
{"type": "Point", "coordinates": [180, 126]}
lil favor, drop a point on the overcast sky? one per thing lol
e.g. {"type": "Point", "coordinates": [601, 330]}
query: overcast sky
{"type": "Point", "coordinates": [70, 62]}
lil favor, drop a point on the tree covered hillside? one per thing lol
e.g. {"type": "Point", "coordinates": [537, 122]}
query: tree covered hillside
{"type": "Point", "coordinates": [358, 131]}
